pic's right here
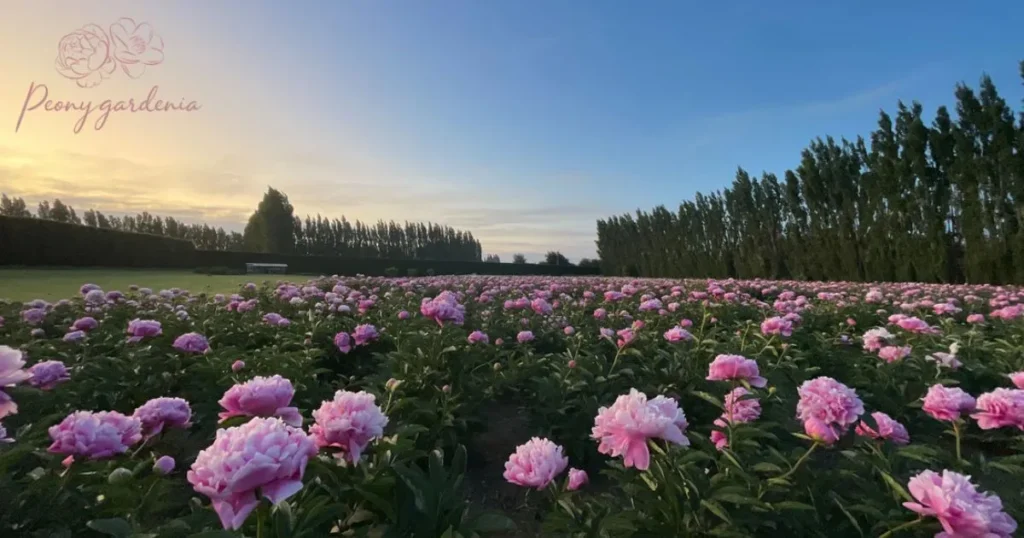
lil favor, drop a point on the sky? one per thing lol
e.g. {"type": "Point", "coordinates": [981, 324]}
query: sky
{"type": "Point", "coordinates": [522, 121]}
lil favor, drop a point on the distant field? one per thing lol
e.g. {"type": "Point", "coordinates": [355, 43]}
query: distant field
{"type": "Point", "coordinates": [54, 284]}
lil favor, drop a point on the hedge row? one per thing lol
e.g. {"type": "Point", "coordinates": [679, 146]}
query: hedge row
{"type": "Point", "coordinates": [36, 242]}
{"type": "Point", "coordinates": [46, 242]}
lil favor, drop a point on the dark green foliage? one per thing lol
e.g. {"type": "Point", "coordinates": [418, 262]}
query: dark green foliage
{"type": "Point", "coordinates": [555, 258]}
{"type": "Point", "coordinates": [938, 202]}
{"type": "Point", "coordinates": [270, 226]}
{"type": "Point", "coordinates": [46, 242]}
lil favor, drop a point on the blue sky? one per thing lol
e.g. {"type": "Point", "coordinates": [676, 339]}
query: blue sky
{"type": "Point", "coordinates": [526, 121]}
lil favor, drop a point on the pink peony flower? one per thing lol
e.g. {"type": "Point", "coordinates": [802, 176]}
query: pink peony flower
{"type": "Point", "coordinates": [535, 463]}
{"type": "Point", "coordinates": [343, 342]}
{"type": "Point", "coordinates": [821, 431]}
{"type": "Point", "coordinates": [444, 307]}
{"type": "Point", "coordinates": [1000, 408]}
{"type": "Point", "coordinates": [893, 353]}
{"type": "Point", "coordinates": [914, 325]}
{"type": "Point", "coordinates": [364, 334]}
{"type": "Point", "coordinates": [237, 366]}
{"type": "Point", "coordinates": [264, 455]}
{"type": "Point", "coordinates": [12, 372]}
{"type": "Point", "coordinates": [976, 318]}
{"type": "Point", "coordinates": [191, 343]}
{"type": "Point", "coordinates": [276, 320]}
{"type": "Point", "coordinates": [478, 337]}
{"type": "Point", "coordinates": [962, 510]}
{"type": "Point", "coordinates": [348, 422]}
{"type": "Point", "coordinates": [48, 374]}
{"type": "Point", "coordinates": [577, 479]}
{"type": "Point", "coordinates": [143, 328]}
{"type": "Point", "coordinates": [829, 401]}
{"type": "Point", "coordinates": [677, 334]}
{"type": "Point", "coordinates": [85, 324]}
{"type": "Point", "coordinates": [261, 397]}
{"type": "Point", "coordinates": [740, 410]}
{"type": "Point", "coordinates": [1018, 379]}
{"type": "Point", "coordinates": [888, 429]}
{"type": "Point", "coordinates": [947, 403]}
{"type": "Point", "coordinates": [95, 435]}
{"type": "Point", "coordinates": [163, 412]}
{"type": "Point", "coordinates": [875, 339]}
{"type": "Point", "coordinates": [74, 336]}
{"type": "Point", "coordinates": [524, 337]}
{"type": "Point", "coordinates": [735, 367]}
{"type": "Point", "coordinates": [777, 325]}
{"type": "Point", "coordinates": [164, 465]}
{"type": "Point", "coordinates": [624, 428]}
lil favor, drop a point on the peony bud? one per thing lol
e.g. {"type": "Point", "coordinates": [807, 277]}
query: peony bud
{"type": "Point", "coordinates": [164, 465]}
{"type": "Point", "coordinates": [119, 476]}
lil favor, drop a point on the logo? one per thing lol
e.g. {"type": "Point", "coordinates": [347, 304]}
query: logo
{"type": "Point", "coordinates": [92, 54]}
{"type": "Point", "coordinates": [89, 55]}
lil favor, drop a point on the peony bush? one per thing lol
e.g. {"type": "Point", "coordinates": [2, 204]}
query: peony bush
{"type": "Point", "coordinates": [515, 406]}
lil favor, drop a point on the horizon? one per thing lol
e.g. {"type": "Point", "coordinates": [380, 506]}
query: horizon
{"type": "Point", "coordinates": [521, 123]}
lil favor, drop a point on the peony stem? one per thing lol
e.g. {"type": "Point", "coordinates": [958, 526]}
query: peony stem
{"type": "Point", "coordinates": [904, 526]}
{"type": "Point", "coordinates": [800, 461]}
{"type": "Point", "coordinates": [956, 434]}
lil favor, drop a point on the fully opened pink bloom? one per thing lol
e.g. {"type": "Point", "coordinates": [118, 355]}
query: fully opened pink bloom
{"type": "Point", "coordinates": [893, 353]}
{"type": "Point", "coordinates": [888, 429]}
{"type": "Point", "coordinates": [191, 343]}
{"type": "Point", "coordinates": [914, 325]}
{"type": "Point", "coordinates": [444, 307]}
{"type": "Point", "coordinates": [143, 328]}
{"type": "Point", "coordinates": [778, 326]}
{"type": "Point", "coordinates": [261, 397]}
{"type": "Point", "coordinates": [735, 367]}
{"type": "Point", "coordinates": [158, 413]}
{"type": "Point", "coordinates": [264, 455]}
{"type": "Point", "coordinates": [1000, 408]}
{"type": "Point", "coordinates": [577, 479]}
{"type": "Point", "coordinates": [829, 401]}
{"type": "Point", "coordinates": [12, 367]}
{"type": "Point", "coordinates": [478, 337]}
{"type": "Point", "coordinates": [624, 428]}
{"type": "Point", "coordinates": [364, 334]}
{"type": "Point", "coordinates": [535, 463]}
{"type": "Point", "coordinates": [739, 409]}
{"type": "Point", "coordinates": [677, 334]}
{"type": "Point", "coordinates": [976, 318]}
{"type": "Point", "coordinates": [524, 337]}
{"type": "Point", "coordinates": [348, 422]}
{"type": "Point", "coordinates": [963, 511]}
{"type": "Point", "coordinates": [85, 324]}
{"type": "Point", "coordinates": [95, 435]}
{"type": "Point", "coordinates": [875, 339]}
{"type": "Point", "coordinates": [947, 403]}
{"type": "Point", "coordinates": [343, 342]}
{"type": "Point", "coordinates": [12, 372]}
{"type": "Point", "coordinates": [48, 374]}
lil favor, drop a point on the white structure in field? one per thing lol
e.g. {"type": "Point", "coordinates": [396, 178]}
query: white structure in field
{"type": "Point", "coordinates": [269, 268]}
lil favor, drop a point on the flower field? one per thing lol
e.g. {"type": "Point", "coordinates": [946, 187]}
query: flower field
{"type": "Point", "coordinates": [515, 406]}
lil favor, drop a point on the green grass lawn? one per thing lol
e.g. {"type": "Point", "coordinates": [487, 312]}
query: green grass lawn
{"type": "Point", "coordinates": [55, 284]}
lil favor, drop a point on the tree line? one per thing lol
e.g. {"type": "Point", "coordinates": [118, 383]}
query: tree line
{"type": "Point", "coordinates": [274, 228]}
{"type": "Point", "coordinates": [917, 201]}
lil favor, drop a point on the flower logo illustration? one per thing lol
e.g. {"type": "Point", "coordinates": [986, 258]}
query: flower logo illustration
{"type": "Point", "coordinates": [89, 55]}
